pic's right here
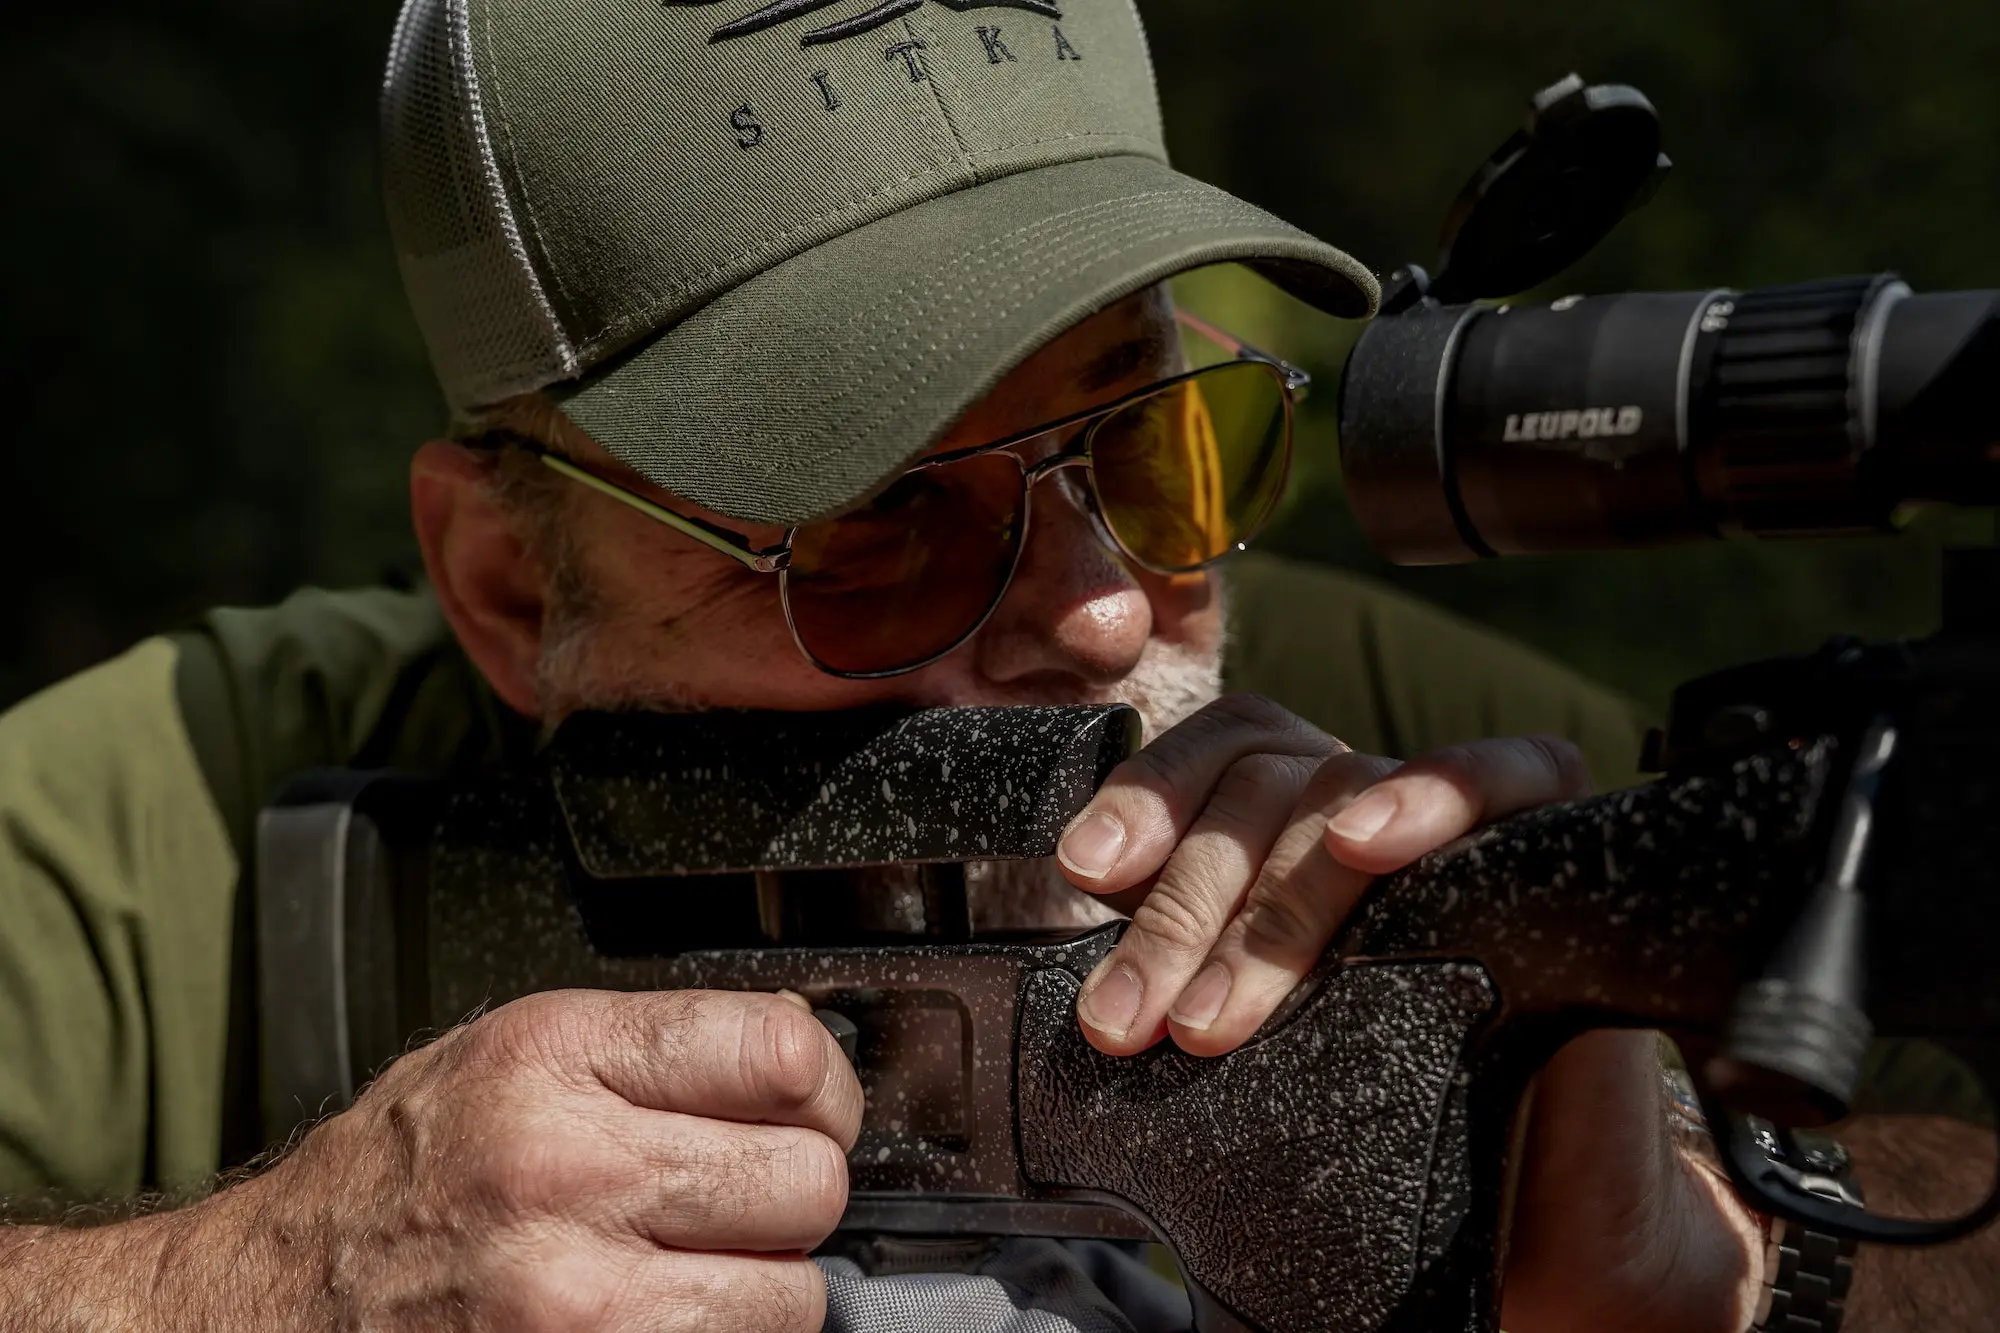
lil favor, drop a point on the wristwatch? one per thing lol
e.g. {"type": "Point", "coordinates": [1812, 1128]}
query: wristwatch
{"type": "Point", "coordinates": [1807, 1273]}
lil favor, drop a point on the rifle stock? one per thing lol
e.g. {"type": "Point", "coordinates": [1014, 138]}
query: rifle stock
{"type": "Point", "coordinates": [1347, 1169]}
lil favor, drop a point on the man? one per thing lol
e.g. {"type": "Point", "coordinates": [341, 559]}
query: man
{"type": "Point", "coordinates": [733, 309]}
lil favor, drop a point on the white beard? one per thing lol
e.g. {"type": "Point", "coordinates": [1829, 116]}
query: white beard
{"type": "Point", "coordinates": [1169, 684]}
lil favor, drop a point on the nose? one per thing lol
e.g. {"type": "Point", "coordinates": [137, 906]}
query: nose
{"type": "Point", "coordinates": [1074, 611]}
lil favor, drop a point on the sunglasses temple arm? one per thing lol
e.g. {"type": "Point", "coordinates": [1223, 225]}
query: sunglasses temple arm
{"type": "Point", "coordinates": [1296, 378]}
{"type": "Point", "coordinates": [724, 543]}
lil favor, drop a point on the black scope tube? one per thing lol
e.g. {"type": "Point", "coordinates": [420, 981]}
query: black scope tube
{"type": "Point", "coordinates": [1652, 418]}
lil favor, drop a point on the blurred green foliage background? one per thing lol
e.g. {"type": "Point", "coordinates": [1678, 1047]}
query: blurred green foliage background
{"type": "Point", "coordinates": [217, 387]}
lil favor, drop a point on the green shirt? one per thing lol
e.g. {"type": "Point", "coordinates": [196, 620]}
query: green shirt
{"type": "Point", "coordinates": [129, 793]}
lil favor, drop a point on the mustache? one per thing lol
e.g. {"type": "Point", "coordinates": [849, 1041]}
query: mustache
{"type": "Point", "coordinates": [582, 669]}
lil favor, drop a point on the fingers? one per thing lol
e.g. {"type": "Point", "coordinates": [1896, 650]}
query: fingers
{"type": "Point", "coordinates": [1338, 840]}
{"type": "Point", "coordinates": [603, 1161]}
{"type": "Point", "coordinates": [1157, 968]}
{"type": "Point", "coordinates": [1288, 917]}
{"type": "Point", "coordinates": [738, 1291]}
{"type": "Point", "coordinates": [727, 1056]}
{"type": "Point", "coordinates": [1152, 801]}
{"type": "Point", "coordinates": [1257, 855]}
{"type": "Point", "coordinates": [661, 1291]}
{"type": "Point", "coordinates": [1445, 795]}
{"type": "Point", "coordinates": [694, 1184]}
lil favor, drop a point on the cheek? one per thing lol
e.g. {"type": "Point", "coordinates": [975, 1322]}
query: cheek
{"type": "Point", "coordinates": [657, 613]}
{"type": "Point", "coordinates": [693, 630]}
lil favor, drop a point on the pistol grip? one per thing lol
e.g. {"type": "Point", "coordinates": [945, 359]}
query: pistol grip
{"type": "Point", "coordinates": [1306, 1181]}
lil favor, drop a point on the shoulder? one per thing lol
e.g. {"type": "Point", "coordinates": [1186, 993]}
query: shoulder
{"type": "Point", "coordinates": [315, 672]}
{"type": "Point", "coordinates": [1391, 674]}
{"type": "Point", "coordinates": [244, 697]}
{"type": "Point", "coordinates": [117, 878]}
{"type": "Point", "coordinates": [128, 799]}
{"type": "Point", "coordinates": [326, 679]}
{"type": "Point", "coordinates": [88, 765]}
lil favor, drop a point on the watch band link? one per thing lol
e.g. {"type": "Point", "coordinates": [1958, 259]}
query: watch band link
{"type": "Point", "coordinates": [1807, 1277]}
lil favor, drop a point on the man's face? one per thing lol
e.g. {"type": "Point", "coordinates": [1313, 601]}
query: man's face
{"type": "Point", "coordinates": [669, 622]}
{"type": "Point", "coordinates": [642, 616]}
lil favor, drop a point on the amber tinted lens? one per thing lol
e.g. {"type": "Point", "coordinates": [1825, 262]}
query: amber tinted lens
{"type": "Point", "coordinates": [906, 578]}
{"type": "Point", "coordinates": [1192, 472]}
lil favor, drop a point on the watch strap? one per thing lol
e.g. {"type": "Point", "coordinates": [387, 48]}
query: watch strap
{"type": "Point", "coordinates": [1807, 1276]}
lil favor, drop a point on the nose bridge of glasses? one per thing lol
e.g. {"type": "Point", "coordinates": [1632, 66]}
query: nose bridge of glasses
{"type": "Point", "coordinates": [1082, 497]}
{"type": "Point", "coordinates": [1075, 464]}
{"type": "Point", "coordinates": [1054, 463]}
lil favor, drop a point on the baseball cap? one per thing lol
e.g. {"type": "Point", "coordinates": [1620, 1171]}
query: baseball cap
{"type": "Point", "coordinates": [767, 252]}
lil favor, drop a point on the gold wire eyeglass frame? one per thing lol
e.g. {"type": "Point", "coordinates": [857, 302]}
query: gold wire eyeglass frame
{"type": "Point", "coordinates": [1294, 383]}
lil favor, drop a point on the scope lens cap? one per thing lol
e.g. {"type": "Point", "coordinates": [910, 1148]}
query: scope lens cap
{"type": "Point", "coordinates": [1586, 157]}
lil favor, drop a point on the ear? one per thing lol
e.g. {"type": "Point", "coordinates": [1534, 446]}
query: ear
{"type": "Point", "coordinates": [488, 582]}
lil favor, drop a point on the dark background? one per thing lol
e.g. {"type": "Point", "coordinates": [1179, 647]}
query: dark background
{"type": "Point", "coordinates": [216, 386]}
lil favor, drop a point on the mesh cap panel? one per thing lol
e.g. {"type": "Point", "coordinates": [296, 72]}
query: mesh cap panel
{"type": "Point", "coordinates": [491, 331]}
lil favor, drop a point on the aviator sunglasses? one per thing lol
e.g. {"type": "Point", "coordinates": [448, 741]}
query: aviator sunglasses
{"type": "Point", "coordinates": [1174, 477]}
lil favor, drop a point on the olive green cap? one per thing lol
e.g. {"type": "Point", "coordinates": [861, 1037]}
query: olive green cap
{"type": "Point", "coordinates": [766, 256]}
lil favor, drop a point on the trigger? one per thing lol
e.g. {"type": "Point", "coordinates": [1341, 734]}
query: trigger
{"type": "Point", "coordinates": [844, 1031]}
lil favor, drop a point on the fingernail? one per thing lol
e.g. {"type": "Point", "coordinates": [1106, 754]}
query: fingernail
{"type": "Point", "coordinates": [794, 997]}
{"type": "Point", "coordinates": [1092, 845]}
{"type": "Point", "coordinates": [1112, 1004]}
{"type": "Point", "coordinates": [1203, 999]}
{"type": "Point", "coordinates": [1364, 819]}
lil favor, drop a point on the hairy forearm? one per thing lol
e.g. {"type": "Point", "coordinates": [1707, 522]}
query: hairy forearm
{"type": "Point", "coordinates": [126, 1275]}
{"type": "Point", "coordinates": [224, 1263]}
{"type": "Point", "coordinates": [1899, 1160]}
{"type": "Point", "coordinates": [1920, 1291]}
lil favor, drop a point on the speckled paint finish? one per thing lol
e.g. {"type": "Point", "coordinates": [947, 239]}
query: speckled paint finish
{"type": "Point", "coordinates": [1290, 1177]}
{"type": "Point", "coordinates": [1648, 903]}
{"type": "Point", "coordinates": [646, 794]}
{"type": "Point", "coordinates": [1342, 1172]}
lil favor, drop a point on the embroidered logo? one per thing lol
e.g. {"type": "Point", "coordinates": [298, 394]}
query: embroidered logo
{"type": "Point", "coordinates": [882, 13]}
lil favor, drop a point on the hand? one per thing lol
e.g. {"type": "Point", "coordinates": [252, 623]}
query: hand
{"type": "Point", "coordinates": [1241, 839]}
{"type": "Point", "coordinates": [572, 1161]}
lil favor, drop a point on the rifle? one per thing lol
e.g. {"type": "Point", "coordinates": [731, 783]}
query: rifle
{"type": "Point", "coordinates": [1813, 876]}
{"type": "Point", "coordinates": [1346, 1169]}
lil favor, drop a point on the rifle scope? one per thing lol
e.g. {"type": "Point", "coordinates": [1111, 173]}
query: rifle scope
{"type": "Point", "coordinates": [1647, 419]}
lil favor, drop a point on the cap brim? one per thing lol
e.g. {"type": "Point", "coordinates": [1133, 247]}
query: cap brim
{"type": "Point", "coordinates": [798, 393]}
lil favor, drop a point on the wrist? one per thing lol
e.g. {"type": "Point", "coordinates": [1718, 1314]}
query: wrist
{"type": "Point", "coordinates": [246, 1259]}
{"type": "Point", "coordinates": [217, 1264]}
{"type": "Point", "coordinates": [1744, 1235]}
{"type": "Point", "coordinates": [1735, 1238]}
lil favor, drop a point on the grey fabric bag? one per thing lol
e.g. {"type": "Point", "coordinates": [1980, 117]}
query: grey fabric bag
{"type": "Point", "coordinates": [1022, 1286]}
